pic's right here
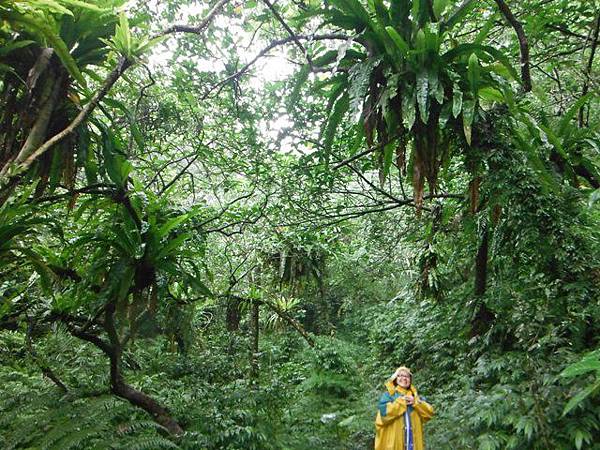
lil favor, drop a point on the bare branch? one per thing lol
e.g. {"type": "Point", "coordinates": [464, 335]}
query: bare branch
{"type": "Point", "coordinates": [266, 50]}
{"type": "Point", "coordinates": [291, 32]}
{"type": "Point", "coordinates": [523, 45]}
{"type": "Point", "coordinates": [197, 29]}
{"type": "Point", "coordinates": [588, 69]}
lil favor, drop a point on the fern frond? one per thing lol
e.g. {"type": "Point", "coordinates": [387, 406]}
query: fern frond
{"type": "Point", "coordinates": [149, 443]}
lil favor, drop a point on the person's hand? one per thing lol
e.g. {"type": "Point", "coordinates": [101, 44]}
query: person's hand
{"type": "Point", "coordinates": [410, 400]}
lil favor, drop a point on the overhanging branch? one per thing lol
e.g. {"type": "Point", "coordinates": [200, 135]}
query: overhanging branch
{"type": "Point", "coordinates": [523, 44]}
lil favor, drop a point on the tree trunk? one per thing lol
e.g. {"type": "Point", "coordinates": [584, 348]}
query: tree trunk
{"type": "Point", "coordinates": [233, 313]}
{"type": "Point", "coordinates": [483, 318]}
{"type": "Point", "coordinates": [8, 128]}
{"type": "Point", "coordinates": [37, 134]}
{"type": "Point", "coordinates": [588, 70]}
{"type": "Point", "coordinates": [481, 262]}
{"type": "Point", "coordinates": [254, 368]}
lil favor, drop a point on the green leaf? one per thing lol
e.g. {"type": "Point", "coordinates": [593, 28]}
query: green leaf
{"type": "Point", "coordinates": [341, 106]}
{"type": "Point", "coordinates": [445, 114]}
{"type": "Point", "coordinates": [126, 244]}
{"type": "Point", "coordinates": [56, 166]}
{"type": "Point", "coordinates": [582, 436]}
{"type": "Point", "coordinates": [439, 6]}
{"type": "Point", "coordinates": [47, 276]}
{"type": "Point", "coordinates": [126, 33]}
{"type": "Point", "coordinates": [111, 164]}
{"type": "Point", "coordinates": [439, 93]}
{"type": "Point", "coordinates": [84, 5]}
{"type": "Point", "coordinates": [473, 73]}
{"type": "Point", "coordinates": [489, 24]}
{"type": "Point", "coordinates": [581, 396]}
{"type": "Point", "coordinates": [60, 48]}
{"type": "Point", "coordinates": [419, 11]}
{"type": "Point", "coordinates": [419, 42]}
{"type": "Point", "coordinates": [172, 245]}
{"type": "Point", "coordinates": [14, 45]}
{"type": "Point", "coordinates": [589, 363]}
{"type": "Point", "coordinates": [347, 421]}
{"type": "Point", "coordinates": [147, 45]}
{"type": "Point", "coordinates": [398, 41]}
{"type": "Point", "coordinates": [124, 282]}
{"type": "Point", "coordinates": [423, 96]}
{"type": "Point", "coordinates": [320, 61]}
{"type": "Point", "coordinates": [354, 9]}
{"type": "Point", "coordinates": [301, 78]}
{"type": "Point", "coordinates": [458, 15]}
{"type": "Point", "coordinates": [385, 41]}
{"type": "Point", "coordinates": [122, 40]}
{"type": "Point", "coordinates": [126, 168]}
{"type": "Point", "coordinates": [468, 115]}
{"type": "Point", "coordinates": [532, 154]}
{"type": "Point", "coordinates": [382, 13]}
{"type": "Point", "coordinates": [555, 141]}
{"type": "Point", "coordinates": [594, 197]}
{"type": "Point", "coordinates": [388, 156]}
{"type": "Point", "coordinates": [490, 94]}
{"type": "Point", "coordinates": [571, 112]}
{"type": "Point", "coordinates": [468, 49]}
{"type": "Point", "coordinates": [457, 98]}
{"type": "Point", "coordinates": [135, 130]}
{"type": "Point", "coordinates": [360, 76]}
{"type": "Point", "coordinates": [400, 13]}
{"type": "Point", "coordinates": [408, 109]}
{"type": "Point", "coordinates": [137, 135]}
{"type": "Point", "coordinates": [6, 68]}
{"type": "Point", "coordinates": [9, 231]}
{"type": "Point", "coordinates": [171, 224]}
{"type": "Point", "coordinates": [199, 286]}
{"type": "Point", "coordinates": [344, 21]}
{"type": "Point", "coordinates": [54, 7]}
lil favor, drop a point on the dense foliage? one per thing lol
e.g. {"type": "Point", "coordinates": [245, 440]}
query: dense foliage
{"type": "Point", "coordinates": [224, 224]}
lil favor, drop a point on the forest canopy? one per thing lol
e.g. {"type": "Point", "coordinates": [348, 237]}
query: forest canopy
{"type": "Point", "coordinates": [224, 224]}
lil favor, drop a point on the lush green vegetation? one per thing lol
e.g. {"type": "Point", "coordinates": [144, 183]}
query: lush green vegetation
{"type": "Point", "coordinates": [201, 248]}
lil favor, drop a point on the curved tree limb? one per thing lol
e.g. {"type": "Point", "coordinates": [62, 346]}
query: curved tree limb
{"type": "Point", "coordinates": [588, 69]}
{"type": "Point", "coordinates": [120, 388]}
{"type": "Point", "coordinates": [523, 44]}
{"type": "Point", "coordinates": [197, 29]}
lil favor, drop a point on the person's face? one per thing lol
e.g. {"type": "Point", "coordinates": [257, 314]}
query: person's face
{"type": "Point", "coordinates": [403, 380]}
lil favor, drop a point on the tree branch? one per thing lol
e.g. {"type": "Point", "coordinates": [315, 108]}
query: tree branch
{"type": "Point", "coordinates": [198, 29]}
{"type": "Point", "coordinates": [588, 69]}
{"type": "Point", "coordinates": [291, 33]}
{"type": "Point", "coordinates": [523, 45]}
{"type": "Point", "coordinates": [266, 50]}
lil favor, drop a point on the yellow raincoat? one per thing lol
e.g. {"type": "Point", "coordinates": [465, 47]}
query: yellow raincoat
{"type": "Point", "coordinates": [397, 423]}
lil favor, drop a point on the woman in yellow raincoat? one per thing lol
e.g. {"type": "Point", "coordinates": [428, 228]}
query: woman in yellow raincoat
{"type": "Point", "coordinates": [401, 414]}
